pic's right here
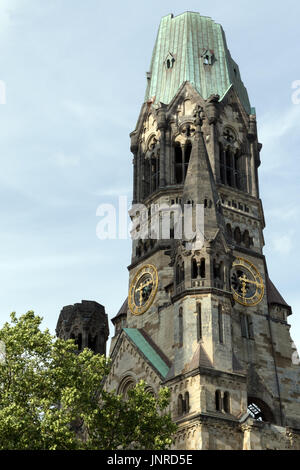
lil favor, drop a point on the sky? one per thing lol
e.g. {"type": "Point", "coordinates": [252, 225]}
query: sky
{"type": "Point", "coordinates": [74, 75]}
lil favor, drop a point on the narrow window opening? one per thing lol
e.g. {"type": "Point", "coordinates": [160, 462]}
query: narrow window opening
{"type": "Point", "coordinates": [178, 163]}
{"type": "Point", "coordinates": [180, 405]}
{"type": "Point", "coordinates": [220, 325]}
{"type": "Point", "coordinates": [199, 322]}
{"type": "Point", "coordinates": [186, 402]}
{"type": "Point", "coordinates": [237, 235]}
{"type": "Point", "coordinates": [180, 326]}
{"type": "Point", "coordinates": [226, 402]}
{"type": "Point", "coordinates": [202, 268]}
{"type": "Point", "coordinates": [194, 269]}
{"type": "Point", "coordinates": [218, 400]}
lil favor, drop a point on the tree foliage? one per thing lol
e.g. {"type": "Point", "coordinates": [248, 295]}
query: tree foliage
{"type": "Point", "coordinates": [52, 397]}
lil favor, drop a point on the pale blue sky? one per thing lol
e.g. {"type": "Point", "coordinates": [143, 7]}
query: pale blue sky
{"type": "Point", "coordinates": [75, 78]}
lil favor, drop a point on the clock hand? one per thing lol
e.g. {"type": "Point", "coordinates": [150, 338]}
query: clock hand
{"type": "Point", "coordinates": [245, 280]}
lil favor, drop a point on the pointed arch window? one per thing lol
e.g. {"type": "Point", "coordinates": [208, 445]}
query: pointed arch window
{"type": "Point", "coordinates": [237, 235]}
{"type": "Point", "coordinates": [178, 164]}
{"type": "Point", "coordinates": [229, 231]}
{"type": "Point", "coordinates": [194, 269]}
{"type": "Point", "coordinates": [154, 172]}
{"type": "Point", "coordinates": [146, 181]}
{"type": "Point", "coordinates": [231, 172]}
{"type": "Point", "coordinates": [202, 268]}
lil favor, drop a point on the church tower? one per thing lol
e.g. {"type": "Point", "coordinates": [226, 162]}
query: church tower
{"type": "Point", "coordinates": [202, 316]}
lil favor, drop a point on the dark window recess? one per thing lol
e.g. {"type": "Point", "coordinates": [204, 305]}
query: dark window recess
{"type": "Point", "coordinates": [178, 164]}
{"type": "Point", "coordinates": [199, 322]}
{"type": "Point", "coordinates": [183, 404]}
{"type": "Point", "coordinates": [194, 269]}
{"type": "Point", "coordinates": [220, 325]}
{"type": "Point", "coordinates": [202, 268]}
{"type": "Point", "coordinates": [237, 236]}
{"type": "Point", "coordinates": [218, 400]}
{"type": "Point", "coordinates": [226, 402]}
{"type": "Point", "coordinates": [229, 231]}
{"type": "Point", "coordinates": [231, 172]}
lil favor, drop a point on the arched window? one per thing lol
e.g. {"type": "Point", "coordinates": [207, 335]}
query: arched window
{"type": "Point", "coordinates": [226, 402]}
{"type": "Point", "coordinates": [154, 172]}
{"type": "Point", "coordinates": [218, 400]}
{"type": "Point", "coordinates": [194, 269]}
{"type": "Point", "coordinates": [126, 384]}
{"type": "Point", "coordinates": [202, 268]}
{"type": "Point", "coordinates": [182, 272]}
{"type": "Point", "coordinates": [180, 405]}
{"type": "Point", "coordinates": [259, 410]}
{"type": "Point", "coordinates": [178, 164]}
{"type": "Point", "coordinates": [230, 171]}
{"type": "Point", "coordinates": [216, 270]}
{"type": "Point", "coordinates": [237, 235]}
{"type": "Point", "coordinates": [92, 342]}
{"type": "Point", "coordinates": [180, 326]}
{"type": "Point", "coordinates": [246, 239]}
{"type": "Point", "coordinates": [147, 177]}
{"type": "Point", "coordinates": [222, 165]}
{"type": "Point", "coordinates": [178, 273]}
{"type": "Point", "coordinates": [229, 231]}
{"type": "Point", "coordinates": [186, 402]}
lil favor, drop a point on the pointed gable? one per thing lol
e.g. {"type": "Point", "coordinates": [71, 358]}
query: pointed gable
{"type": "Point", "coordinates": [199, 186]}
{"type": "Point", "coordinates": [149, 350]}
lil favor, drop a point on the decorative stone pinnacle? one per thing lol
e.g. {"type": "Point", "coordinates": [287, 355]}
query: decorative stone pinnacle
{"type": "Point", "coordinates": [198, 117]}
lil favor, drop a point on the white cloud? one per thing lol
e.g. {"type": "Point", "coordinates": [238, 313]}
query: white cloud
{"type": "Point", "coordinates": [274, 127]}
{"type": "Point", "coordinates": [274, 133]}
{"type": "Point", "coordinates": [283, 244]}
{"type": "Point", "coordinates": [284, 213]}
{"type": "Point", "coordinates": [65, 161]}
{"type": "Point", "coordinates": [7, 8]}
{"type": "Point", "coordinates": [113, 191]}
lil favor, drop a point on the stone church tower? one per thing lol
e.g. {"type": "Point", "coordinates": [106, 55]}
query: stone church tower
{"type": "Point", "coordinates": [202, 316]}
{"type": "Point", "coordinates": [86, 323]}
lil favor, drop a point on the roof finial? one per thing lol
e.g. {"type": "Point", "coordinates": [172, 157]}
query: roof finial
{"type": "Point", "coordinates": [198, 118]}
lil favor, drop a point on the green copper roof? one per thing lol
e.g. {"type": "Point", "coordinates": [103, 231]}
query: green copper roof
{"type": "Point", "coordinates": [185, 38]}
{"type": "Point", "coordinates": [147, 350]}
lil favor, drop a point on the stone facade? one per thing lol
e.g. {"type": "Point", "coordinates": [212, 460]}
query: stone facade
{"type": "Point", "coordinates": [86, 323]}
{"type": "Point", "coordinates": [228, 363]}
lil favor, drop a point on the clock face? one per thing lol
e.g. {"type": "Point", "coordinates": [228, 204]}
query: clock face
{"type": "Point", "coordinates": [143, 289]}
{"type": "Point", "coordinates": [246, 283]}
